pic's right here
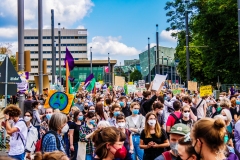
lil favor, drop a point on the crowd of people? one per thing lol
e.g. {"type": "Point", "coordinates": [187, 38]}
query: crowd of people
{"type": "Point", "coordinates": [107, 125]}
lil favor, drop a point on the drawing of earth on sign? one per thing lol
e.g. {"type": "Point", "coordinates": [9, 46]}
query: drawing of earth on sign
{"type": "Point", "coordinates": [58, 100]}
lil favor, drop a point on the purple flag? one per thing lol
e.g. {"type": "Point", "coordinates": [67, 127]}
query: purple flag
{"type": "Point", "coordinates": [88, 79]}
{"type": "Point", "coordinates": [70, 60]}
{"type": "Point", "coordinates": [71, 79]}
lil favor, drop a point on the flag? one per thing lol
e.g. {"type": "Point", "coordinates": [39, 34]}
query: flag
{"type": "Point", "coordinates": [76, 87]}
{"type": "Point", "coordinates": [70, 87]}
{"type": "Point", "coordinates": [91, 85]}
{"type": "Point", "coordinates": [125, 89]}
{"type": "Point", "coordinates": [106, 70]}
{"type": "Point", "coordinates": [88, 79]}
{"type": "Point", "coordinates": [69, 65]}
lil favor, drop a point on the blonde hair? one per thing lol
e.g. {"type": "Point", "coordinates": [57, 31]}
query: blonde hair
{"type": "Point", "coordinates": [134, 104]}
{"type": "Point", "coordinates": [56, 155]}
{"type": "Point", "coordinates": [228, 115]}
{"type": "Point", "coordinates": [225, 103]}
{"type": "Point", "coordinates": [158, 132]}
{"type": "Point", "coordinates": [185, 106]}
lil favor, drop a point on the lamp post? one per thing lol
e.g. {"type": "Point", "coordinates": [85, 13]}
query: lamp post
{"type": "Point", "coordinates": [40, 44]}
{"type": "Point", "coordinates": [156, 64]}
{"type": "Point", "coordinates": [167, 67]}
{"type": "Point", "coordinates": [158, 68]}
{"type": "Point", "coordinates": [149, 70]}
{"type": "Point", "coordinates": [187, 42]}
{"type": "Point", "coordinates": [59, 52]}
{"type": "Point", "coordinates": [91, 59]}
{"type": "Point", "coordinates": [162, 65]}
{"type": "Point", "coordinates": [171, 72]}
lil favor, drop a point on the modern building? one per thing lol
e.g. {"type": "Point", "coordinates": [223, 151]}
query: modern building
{"type": "Point", "coordinates": [167, 63]}
{"type": "Point", "coordinates": [74, 39]}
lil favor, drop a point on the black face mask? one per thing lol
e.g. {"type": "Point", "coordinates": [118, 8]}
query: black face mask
{"type": "Point", "coordinates": [85, 108]}
{"type": "Point", "coordinates": [198, 154]}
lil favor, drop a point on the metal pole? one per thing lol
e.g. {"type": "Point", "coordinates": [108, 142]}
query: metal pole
{"type": "Point", "coordinates": [109, 70]}
{"type": "Point", "coordinates": [53, 48]}
{"type": "Point", "coordinates": [162, 65]}
{"type": "Point", "coordinates": [149, 70]}
{"type": "Point", "coordinates": [120, 70]}
{"type": "Point", "coordinates": [171, 72]}
{"type": "Point", "coordinates": [59, 52]}
{"type": "Point", "coordinates": [40, 56]}
{"type": "Point", "coordinates": [6, 80]}
{"type": "Point", "coordinates": [175, 71]}
{"type": "Point", "coordinates": [187, 47]}
{"type": "Point", "coordinates": [167, 68]}
{"type": "Point", "coordinates": [20, 48]}
{"type": "Point", "coordinates": [155, 60]}
{"type": "Point", "coordinates": [158, 68]}
{"type": "Point", "coordinates": [91, 58]}
{"type": "Point", "coordinates": [239, 29]}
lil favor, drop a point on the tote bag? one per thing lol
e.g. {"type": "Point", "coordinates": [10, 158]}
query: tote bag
{"type": "Point", "coordinates": [81, 155]}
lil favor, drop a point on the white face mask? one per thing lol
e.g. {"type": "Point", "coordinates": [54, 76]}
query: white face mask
{"type": "Point", "coordinates": [160, 112]}
{"type": "Point", "coordinates": [65, 129]}
{"type": "Point", "coordinates": [11, 121]}
{"type": "Point", "coordinates": [186, 114]}
{"type": "Point", "coordinates": [27, 119]}
{"type": "Point", "coordinates": [152, 122]}
{"type": "Point", "coordinates": [40, 107]}
{"type": "Point", "coordinates": [121, 125]}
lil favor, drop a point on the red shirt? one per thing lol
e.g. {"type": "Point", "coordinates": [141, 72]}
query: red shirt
{"type": "Point", "coordinates": [171, 119]}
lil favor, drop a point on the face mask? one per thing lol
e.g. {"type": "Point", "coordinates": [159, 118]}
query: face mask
{"type": "Point", "coordinates": [128, 103]}
{"type": "Point", "coordinates": [121, 104]}
{"type": "Point", "coordinates": [168, 97]}
{"type": "Point", "coordinates": [186, 114]}
{"type": "Point", "coordinates": [80, 118]}
{"type": "Point", "coordinates": [11, 121]}
{"type": "Point", "coordinates": [121, 125]}
{"type": "Point", "coordinates": [174, 147]}
{"type": "Point", "coordinates": [218, 104]}
{"type": "Point", "coordinates": [27, 119]}
{"type": "Point", "coordinates": [120, 153]}
{"type": "Point", "coordinates": [116, 114]}
{"type": "Point", "coordinates": [65, 129]}
{"type": "Point", "coordinates": [135, 111]}
{"type": "Point", "coordinates": [85, 108]}
{"type": "Point", "coordinates": [225, 139]}
{"type": "Point", "coordinates": [238, 102]}
{"type": "Point", "coordinates": [152, 122]}
{"type": "Point", "coordinates": [198, 154]}
{"type": "Point", "coordinates": [160, 112]}
{"type": "Point", "coordinates": [39, 107]}
{"type": "Point", "coordinates": [92, 111]}
{"type": "Point", "coordinates": [165, 98]}
{"type": "Point", "coordinates": [48, 116]}
{"type": "Point", "coordinates": [92, 122]}
{"type": "Point", "coordinates": [225, 118]}
{"type": "Point", "coordinates": [184, 104]}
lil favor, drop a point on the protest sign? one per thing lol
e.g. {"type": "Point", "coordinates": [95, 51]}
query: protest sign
{"type": "Point", "coordinates": [176, 91]}
{"type": "Point", "coordinates": [192, 86]}
{"type": "Point", "coordinates": [131, 88]}
{"type": "Point", "coordinates": [205, 90]}
{"type": "Point", "coordinates": [157, 81]}
{"type": "Point", "coordinates": [98, 85]}
{"type": "Point", "coordinates": [141, 84]}
{"type": "Point", "coordinates": [119, 81]}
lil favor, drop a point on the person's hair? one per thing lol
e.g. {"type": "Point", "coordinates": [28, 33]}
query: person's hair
{"type": "Point", "coordinates": [55, 155]}
{"type": "Point", "coordinates": [35, 104]}
{"type": "Point", "coordinates": [225, 103]}
{"type": "Point", "coordinates": [103, 124]}
{"type": "Point", "coordinates": [186, 106]}
{"type": "Point", "coordinates": [187, 98]}
{"type": "Point", "coordinates": [75, 108]}
{"type": "Point", "coordinates": [56, 111]}
{"type": "Point", "coordinates": [12, 111]}
{"type": "Point", "coordinates": [30, 112]}
{"type": "Point", "coordinates": [161, 99]}
{"type": "Point", "coordinates": [228, 115]}
{"type": "Point", "coordinates": [113, 108]}
{"type": "Point", "coordinates": [133, 104]}
{"type": "Point", "coordinates": [98, 99]}
{"type": "Point", "coordinates": [57, 120]}
{"type": "Point", "coordinates": [122, 98]}
{"type": "Point", "coordinates": [146, 94]}
{"type": "Point", "coordinates": [90, 115]}
{"type": "Point", "coordinates": [188, 146]}
{"type": "Point", "coordinates": [75, 115]}
{"type": "Point", "coordinates": [158, 131]}
{"type": "Point", "coordinates": [120, 117]}
{"type": "Point", "coordinates": [233, 102]}
{"type": "Point", "coordinates": [211, 131]}
{"type": "Point", "coordinates": [157, 105]}
{"type": "Point", "coordinates": [176, 105]}
{"type": "Point", "coordinates": [99, 110]}
{"type": "Point", "coordinates": [108, 101]}
{"type": "Point", "coordinates": [106, 135]}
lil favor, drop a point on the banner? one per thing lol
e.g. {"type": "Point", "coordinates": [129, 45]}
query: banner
{"type": "Point", "coordinates": [23, 86]}
{"type": "Point", "coordinates": [205, 90]}
{"type": "Point", "coordinates": [192, 86]}
{"type": "Point", "coordinates": [131, 88]}
{"type": "Point", "coordinates": [119, 81]}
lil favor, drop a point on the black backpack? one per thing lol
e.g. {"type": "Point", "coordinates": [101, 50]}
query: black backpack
{"type": "Point", "coordinates": [177, 120]}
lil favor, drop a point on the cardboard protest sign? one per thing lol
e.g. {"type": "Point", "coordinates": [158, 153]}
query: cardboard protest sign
{"type": "Point", "coordinates": [205, 90]}
{"type": "Point", "coordinates": [157, 81]}
{"type": "Point", "coordinates": [119, 81]}
{"type": "Point", "coordinates": [192, 86]}
{"type": "Point", "coordinates": [131, 88]}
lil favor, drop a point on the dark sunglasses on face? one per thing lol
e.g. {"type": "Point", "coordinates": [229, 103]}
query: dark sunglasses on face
{"type": "Point", "coordinates": [186, 111]}
{"type": "Point", "coordinates": [28, 115]}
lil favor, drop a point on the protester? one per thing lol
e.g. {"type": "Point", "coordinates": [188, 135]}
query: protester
{"type": "Point", "coordinates": [146, 103]}
{"type": "Point", "coordinates": [28, 103]}
{"type": "Point", "coordinates": [153, 138]}
{"type": "Point", "coordinates": [135, 123]}
{"type": "Point", "coordinates": [186, 116]}
{"type": "Point", "coordinates": [174, 117]}
{"type": "Point", "coordinates": [125, 107]}
{"type": "Point", "coordinates": [44, 125]}
{"type": "Point", "coordinates": [52, 140]}
{"type": "Point", "coordinates": [114, 112]}
{"type": "Point", "coordinates": [17, 129]}
{"type": "Point", "coordinates": [109, 143]}
{"type": "Point", "coordinates": [36, 117]}
{"type": "Point", "coordinates": [101, 115]}
{"type": "Point", "coordinates": [158, 110]}
{"type": "Point", "coordinates": [103, 124]}
{"type": "Point", "coordinates": [185, 149]}
{"type": "Point", "coordinates": [56, 155]}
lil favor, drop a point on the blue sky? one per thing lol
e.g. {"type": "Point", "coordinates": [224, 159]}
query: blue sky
{"type": "Point", "coordinates": [120, 27]}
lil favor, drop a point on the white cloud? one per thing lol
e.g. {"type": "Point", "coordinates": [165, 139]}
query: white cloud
{"type": "Point", "coordinates": [66, 12]}
{"type": "Point", "coordinates": [80, 27]}
{"type": "Point", "coordinates": [166, 36]}
{"type": "Point", "coordinates": [104, 45]}
{"type": "Point", "coordinates": [151, 45]}
{"type": "Point", "coordinates": [10, 32]}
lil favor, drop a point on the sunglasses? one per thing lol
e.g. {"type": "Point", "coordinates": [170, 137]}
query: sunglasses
{"type": "Point", "coordinates": [186, 111]}
{"type": "Point", "coordinates": [28, 115]}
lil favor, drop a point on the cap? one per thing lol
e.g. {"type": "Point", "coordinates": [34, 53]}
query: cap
{"type": "Point", "coordinates": [180, 129]}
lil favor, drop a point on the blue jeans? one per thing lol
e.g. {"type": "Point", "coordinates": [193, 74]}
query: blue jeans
{"type": "Point", "coordinates": [89, 157]}
{"type": "Point", "coordinates": [18, 157]}
{"type": "Point", "coordinates": [74, 153]}
{"type": "Point", "coordinates": [137, 151]}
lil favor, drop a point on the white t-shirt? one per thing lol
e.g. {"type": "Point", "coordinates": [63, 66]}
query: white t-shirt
{"type": "Point", "coordinates": [135, 119]}
{"type": "Point", "coordinates": [16, 145]}
{"type": "Point", "coordinates": [200, 109]}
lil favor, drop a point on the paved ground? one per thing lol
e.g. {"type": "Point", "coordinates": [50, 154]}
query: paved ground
{"type": "Point", "coordinates": [3, 153]}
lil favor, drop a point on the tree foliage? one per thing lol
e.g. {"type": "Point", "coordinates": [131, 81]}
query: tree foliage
{"type": "Point", "coordinates": [135, 75]}
{"type": "Point", "coordinates": [213, 28]}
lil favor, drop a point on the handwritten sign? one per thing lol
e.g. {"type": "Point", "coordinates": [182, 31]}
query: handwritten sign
{"type": "Point", "coordinates": [141, 84]}
{"type": "Point", "coordinates": [205, 90]}
{"type": "Point", "coordinates": [192, 86]}
{"type": "Point", "coordinates": [158, 79]}
{"type": "Point", "coordinates": [119, 81]}
{"type": "Point", "coordinates": [175, 92]}
{"type": "Point", "coordinates": [131, 88]}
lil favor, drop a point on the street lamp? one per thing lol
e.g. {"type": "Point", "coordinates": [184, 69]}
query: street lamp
{"type": "Point", "coordinates": [156, 64]}
{"type": "Point", "coordinates": [59, 52]}
{"type": "Point", "coordinates": [149, 70]}
{"type": "Point", "coordinates": [187, 42]}
{"type": "Point", "coordinates": [162, 65]}
{"type": "Point", "coordinates": [91, 59]}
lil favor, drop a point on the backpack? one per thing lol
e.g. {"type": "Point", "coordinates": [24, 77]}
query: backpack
{"type": "Point", "coordinates": [32, 138]}
{"type": "Point", "coordinates": [177, 120]}
{"type": "Point", "coordinates": [39, 146]}
{"type": "Point", "coordinates": [167, 155]}
{"type": "Point", "coordinates": [19, 135]}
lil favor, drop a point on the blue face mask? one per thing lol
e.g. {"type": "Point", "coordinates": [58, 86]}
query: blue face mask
{"type": "Point", "coordinates": [225, 139]}
{"type": "Point", "coordinates": [128, 103]}
{"type": "Point", "coordinates": [116, 113]}
{"type": "Point", "coordinates": [121, 104]}
{"type": "Point", "coordinates": [165, 98]}
{"type": "Point", "coordinates": [80, 118]}
{"type": "Point", "coordinates": [237, 102]}
{"type": "Point", "coordinates": [135, 111]}
{"type": "Point", "coordinates": [48, 116]}
{"type": "Point", "coordinates": [92, 122]}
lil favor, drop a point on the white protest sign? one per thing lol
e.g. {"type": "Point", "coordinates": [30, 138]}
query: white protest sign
{"type": "Point", "coordinates": [98, 85]}
{"type": "Point", "coordinates": [158, 79]}
{"type": "Point", "coordinates": [131, 88]}
{"type": "Point", "coordinates": [141, 84]}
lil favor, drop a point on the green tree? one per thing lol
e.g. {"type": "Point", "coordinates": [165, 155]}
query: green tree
{"type": "Point", "coordinates": [135, 75]}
